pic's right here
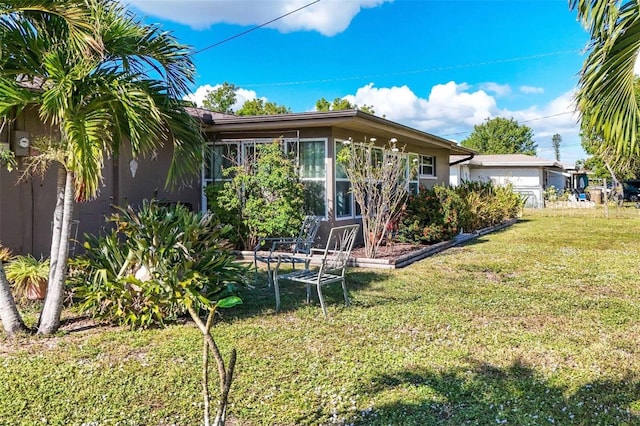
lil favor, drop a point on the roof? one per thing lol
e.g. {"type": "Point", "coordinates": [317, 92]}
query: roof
{"type": "Point", "coordinates": [206, 116]}
{"type": "Point", "coordinates": [511, 160]}
{"type": "Point", "coordinates": [351, 119]}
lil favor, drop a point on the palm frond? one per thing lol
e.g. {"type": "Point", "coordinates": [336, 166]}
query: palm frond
{"type": "Point", "coordinates": [606, 96]}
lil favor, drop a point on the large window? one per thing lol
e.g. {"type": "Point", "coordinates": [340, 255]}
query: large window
{"type": "Point", "coordinates": [344, 203]}
{"type": "Point", "coordinates": [311, 156]}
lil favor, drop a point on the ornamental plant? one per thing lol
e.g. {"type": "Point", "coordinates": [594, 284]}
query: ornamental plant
{"type": "Point", "coordinates": [378, 184]}
{"type": "Point", "coordinates": [263, 198]}
{"type": "Point", "coordinates": [158, 263]}
{"type": "Point", "coordinates": [431, 216]}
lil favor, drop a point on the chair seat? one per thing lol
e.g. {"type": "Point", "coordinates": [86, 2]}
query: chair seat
{"type": "Point", "coordinates": [310, 277]}
{"type": "Point", "coordinates": [273, 258]}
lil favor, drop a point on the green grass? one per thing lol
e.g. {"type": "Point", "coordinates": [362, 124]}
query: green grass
{"type": "Point", "coordinates": [536, 324]}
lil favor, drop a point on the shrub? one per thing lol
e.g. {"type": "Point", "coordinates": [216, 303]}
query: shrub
{"type": "Point", "coordinates": [28, 276]}
{"type": "Point", "coordinates": [153, 265]}
{"type": "Point", "coordinates": [264, 197]}
{"type": "Point", "coordinates": [430, 216]}
{"type": "Point", "coordinates": [439, 213]}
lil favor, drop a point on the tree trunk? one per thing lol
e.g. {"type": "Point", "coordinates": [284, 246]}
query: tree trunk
{"type": "Point", "coordinates": [225, 374]}
{"type": "Point", "coordinates": [57, 222]}
{"type": "Point", "coordinates": [52, 309]}
{"type": "Point", "coordinates": [9, 315]}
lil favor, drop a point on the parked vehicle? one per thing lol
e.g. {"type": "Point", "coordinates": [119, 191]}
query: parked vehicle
{"type": "Point", "coordinates": [631, 190]}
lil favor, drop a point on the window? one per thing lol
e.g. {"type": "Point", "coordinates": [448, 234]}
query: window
{"type": "Point", "coordinates": [413, 184]}
{"type": "Point", "coordinates": [344, 203]}
{"type": "Point", "coordinates": [311, 160]}
{"type": "Point", "coordinates": [427, 166]}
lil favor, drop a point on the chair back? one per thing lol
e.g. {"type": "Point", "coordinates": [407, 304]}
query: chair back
{"type": "Point", "coordinates": [307, 236]}
{"type": "Point", "coordinates": [338, 248]}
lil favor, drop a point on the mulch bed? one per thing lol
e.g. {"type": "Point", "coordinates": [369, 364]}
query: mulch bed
{"type": "Point", "coordinates": [390, 251]}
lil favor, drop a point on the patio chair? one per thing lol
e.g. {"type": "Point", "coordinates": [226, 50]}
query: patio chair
{"type": "Point", "coordinates": [288, 248]}
{"type": "Point", "coordinates": [330, 270]}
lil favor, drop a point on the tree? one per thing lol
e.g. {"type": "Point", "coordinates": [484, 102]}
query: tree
{"type": "Point", "coordinates": [378, 184]}
{"type": "Point", "coordinates": [221, 99]}
{"type": "Point", "coordinates": [501, 136]}
{"type": "Point", "coordinates": [555, 141]}
{"type": "Point", "coordinates": [95, 94]}
{"type": "Point", "coordinates": [606, 96]}
{"type": "Point", "coordinates": [260, 107]}
{"type": "Point", "coordinates": [340, 104]}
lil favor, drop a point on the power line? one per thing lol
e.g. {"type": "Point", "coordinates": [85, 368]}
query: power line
{"type": "Point", "coordinates": [417, 71]}
{"type": "Point", "coordinates": [254, 28]}
{"type": "Point", "coordinates": [524, 121]}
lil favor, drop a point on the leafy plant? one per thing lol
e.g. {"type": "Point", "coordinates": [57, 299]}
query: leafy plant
{"type": "Point", "coordinates": [431, 216]}
{"type": "Point", "coordinates": [264, 197]}
{"type": "Point", "coordinates": [155, 263]}
{"type": "Point", "coordinates": [158, 263]}
{"type": "Point", "coordinates": [439, 213]}
{"type": "Point", "coordinates": [28, 276]}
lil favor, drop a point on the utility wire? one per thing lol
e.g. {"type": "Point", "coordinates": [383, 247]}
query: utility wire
{"type": "Point", "coordinates": [254, 28]}
{"type": "Point", "coordinates": [418, 71]}
{"type": "Point", "coordinates": [523, 121]}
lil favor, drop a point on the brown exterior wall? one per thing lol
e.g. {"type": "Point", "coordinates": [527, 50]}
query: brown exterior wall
{"type": "Point", "coordinates": [26, 208]}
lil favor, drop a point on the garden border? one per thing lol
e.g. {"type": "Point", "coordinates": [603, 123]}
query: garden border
{"type": "Point", "coordinates": [408, 258]}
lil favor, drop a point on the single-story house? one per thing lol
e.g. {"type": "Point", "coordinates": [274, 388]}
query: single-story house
{"type": "Point", "coordinates": [26, 208]}
{"type": "Point", "coordinates": [529, 175]}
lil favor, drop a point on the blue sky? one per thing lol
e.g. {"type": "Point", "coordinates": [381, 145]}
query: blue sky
{"type": "Point", "coordinates": [438, 66]}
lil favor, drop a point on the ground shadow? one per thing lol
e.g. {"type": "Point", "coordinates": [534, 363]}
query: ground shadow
{"type": "Point", "coordinates": [260, 298]}
{"type": "Point", "coordinates": [485, 394]}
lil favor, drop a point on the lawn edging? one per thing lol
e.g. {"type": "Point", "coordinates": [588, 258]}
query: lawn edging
{"type": "Point", "coordinates": [409, 258]}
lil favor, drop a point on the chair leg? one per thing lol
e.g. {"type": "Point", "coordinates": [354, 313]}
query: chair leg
{"type": "Point", "coordinates": [344, 290]}
{"type": "Point", "coordinates": [269, 274]}
{"type": "Point", "coordinates": [308, 292]}
{"type": "Point", "coordinates": [276, 290]}
{"type": "Point", "coordinates": [324, 309]}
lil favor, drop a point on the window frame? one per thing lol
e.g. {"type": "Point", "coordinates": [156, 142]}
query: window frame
{"type": "Point", "coordinates": [423, 164]}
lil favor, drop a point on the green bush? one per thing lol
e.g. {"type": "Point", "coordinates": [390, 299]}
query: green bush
{"type": "Point", "coordinates": [430, 216]}
{"type": "Point", "coordinates": [153, 264]}
{"type": "Point", "coordinates": [264, 197]}
{"type": "Point", "coordinates": [439, 213]}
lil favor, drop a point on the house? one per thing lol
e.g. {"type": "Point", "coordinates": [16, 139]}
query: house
{"type": "Point", "coordinates": [313, 138]}
{"type": "Point", "coordinates": [529, 175]}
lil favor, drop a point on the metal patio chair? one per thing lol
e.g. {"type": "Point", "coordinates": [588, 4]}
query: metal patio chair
{"type": "Point", "coordinates": [331, 269]}
{"type": "Point", "coordinates": [286, 248]}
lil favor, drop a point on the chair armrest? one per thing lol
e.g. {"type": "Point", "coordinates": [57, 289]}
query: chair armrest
{"type": "Point", "coordinates": [272, 242]}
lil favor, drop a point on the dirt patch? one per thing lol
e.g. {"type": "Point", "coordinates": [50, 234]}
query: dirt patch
{"type": "Point", "coordinates": [391, 251]}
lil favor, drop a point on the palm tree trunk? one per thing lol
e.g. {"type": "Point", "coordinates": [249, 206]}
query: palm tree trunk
{"type": "Point", "coordinates": [57, 222]}
{"type": "Point", "coordinates": [52, 309]}
{"type": "Point", "coordinates": [9, 315]}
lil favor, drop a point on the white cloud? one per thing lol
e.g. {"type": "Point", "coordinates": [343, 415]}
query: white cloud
{"type": "Point", "coordinates": [328, 17]}
{"type": "Point", "coordinates": [531, 89]}
{"type": "Point", "coordinates": [242, 95]}
{"type": "Point", "coordinates": [498, 89]}
{"type": "Point", "coordinates": [452, 109]}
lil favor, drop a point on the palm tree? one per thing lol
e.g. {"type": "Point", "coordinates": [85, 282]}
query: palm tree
{"type": "Point", "coordinates": [606, 96]}
{"type": "Point", "coordinates": [95, 95]}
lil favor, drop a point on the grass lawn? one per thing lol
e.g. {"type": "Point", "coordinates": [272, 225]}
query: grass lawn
{"type": "Point", "coordinates": [537, 324]}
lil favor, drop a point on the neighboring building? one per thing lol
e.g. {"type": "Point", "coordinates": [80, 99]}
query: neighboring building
{"type": "Point", "coordinates": [26, 209]}
{"type": "Point", "coordinates": [529, 175]}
